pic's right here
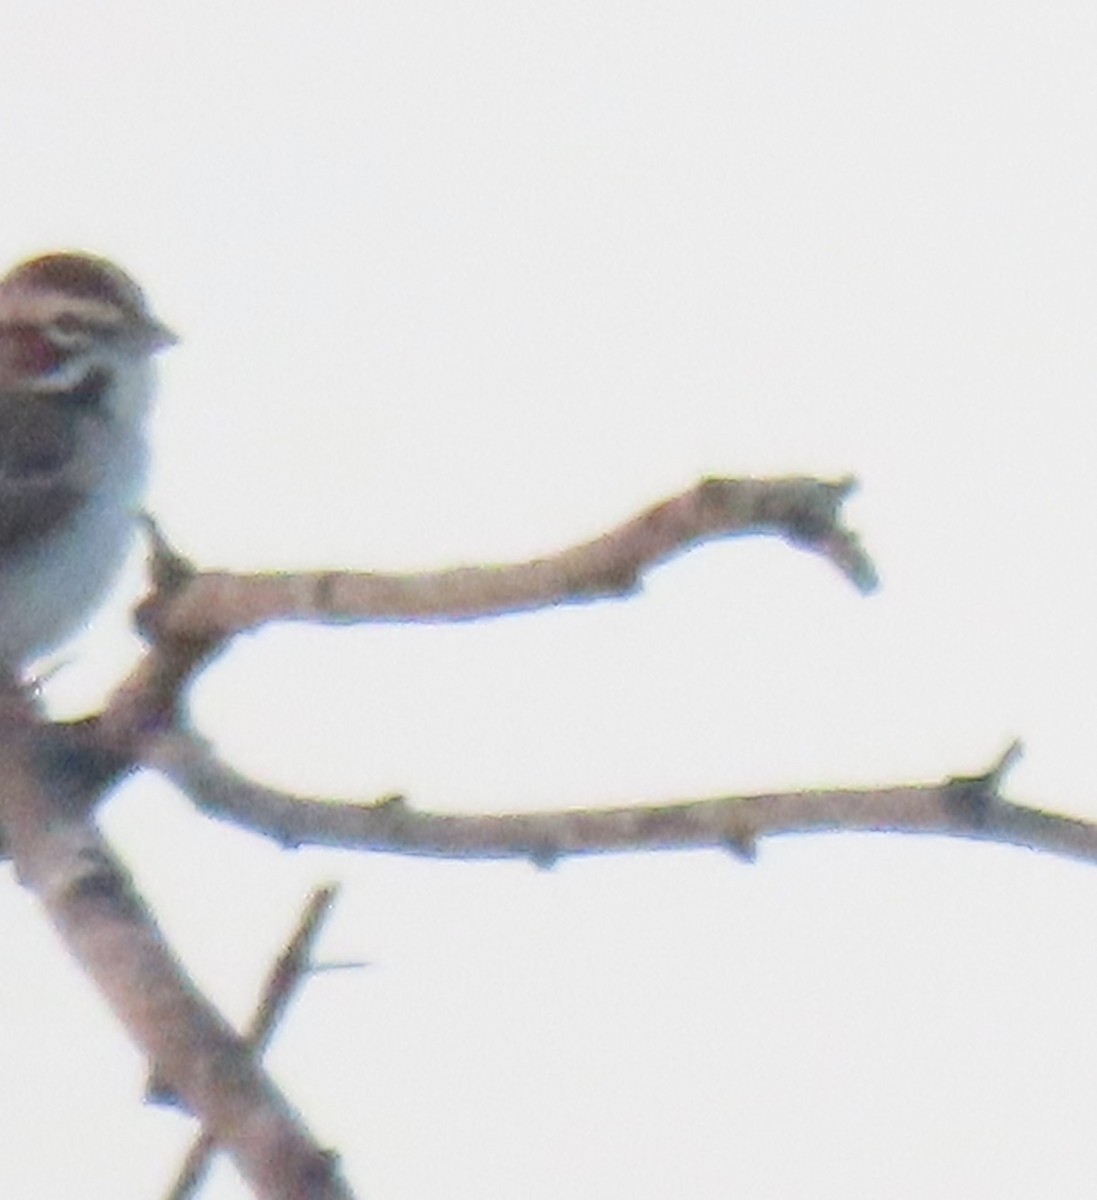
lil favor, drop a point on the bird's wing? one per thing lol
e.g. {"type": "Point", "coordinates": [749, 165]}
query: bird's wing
{"type": "Point", "coordinates": [40, 486]}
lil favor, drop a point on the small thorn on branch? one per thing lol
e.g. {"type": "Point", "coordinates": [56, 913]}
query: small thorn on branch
{"type": "Point", "coordinates": [545, 857]}
{"type": "Point", "coordinates": [973, 796]}
{"type": "Point", "coordinates": [744, 847]}
{"type": "Point", "coordinates": [347, 965]}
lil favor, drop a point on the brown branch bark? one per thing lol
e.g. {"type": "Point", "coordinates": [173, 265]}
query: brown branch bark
{"type": "Point", "coordinates": [192, 614]}
{"type": "Point", "coordinates": [291, 968]}
{"type": "Point", "coordinates": [215, 606]}
{"type": "Point", "coordinates": [96, 912]}
{"type": "Point", "coordinates": [969, 807]}
{"type": "Point", "coordinates": [53, 777]}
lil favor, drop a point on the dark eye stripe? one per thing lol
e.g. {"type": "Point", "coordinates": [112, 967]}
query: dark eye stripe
{"type": "Point", "coordinates": [89, 392]}
{"type": "Point", "coordinates": [69, 323]}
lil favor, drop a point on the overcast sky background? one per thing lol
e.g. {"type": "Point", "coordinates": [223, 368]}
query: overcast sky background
{"type": "Point", "coordinates": [466, 282]}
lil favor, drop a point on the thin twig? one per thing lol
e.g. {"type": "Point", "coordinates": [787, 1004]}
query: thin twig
{"type": "Point", "coordinates": [291, 967]}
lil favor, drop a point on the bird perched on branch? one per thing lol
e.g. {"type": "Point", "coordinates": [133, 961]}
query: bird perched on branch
{"type": "Point", "coordinates": [76, 382]}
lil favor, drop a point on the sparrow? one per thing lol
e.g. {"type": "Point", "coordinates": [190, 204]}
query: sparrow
{"type": "Point", "coordinates": [77, 341]}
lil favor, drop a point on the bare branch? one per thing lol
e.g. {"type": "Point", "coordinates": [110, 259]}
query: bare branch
{"type": "Point", "coordinates": [96, 912]}
{"type": "Point", "coordinates": [292, 966]}
{"type": "Point", "coordinates": [964, 806]}
{"type": "Point", "coordinates": [190, 615]}
{"type": "Point", "coordinates": [213, 606]}
{"type": "Point", "coordinates": [54, 776]}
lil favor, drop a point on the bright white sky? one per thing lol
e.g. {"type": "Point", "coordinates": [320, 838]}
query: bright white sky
{"type": "Point", "coordinates": [465, 282]}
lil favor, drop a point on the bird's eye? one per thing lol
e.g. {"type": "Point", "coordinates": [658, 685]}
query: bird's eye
{"type": "Point", "coordinates": [69, 330]}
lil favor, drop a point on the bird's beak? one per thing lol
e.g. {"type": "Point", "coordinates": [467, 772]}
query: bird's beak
{"type": "Point", "coordinates": [153, 337]}
{"type": "Point", "coordinates": [160, 337]}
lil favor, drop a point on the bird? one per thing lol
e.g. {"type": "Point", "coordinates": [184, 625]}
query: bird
{"type": "Point", "coordinates": [77, 382]}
